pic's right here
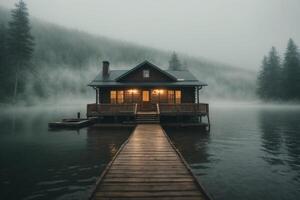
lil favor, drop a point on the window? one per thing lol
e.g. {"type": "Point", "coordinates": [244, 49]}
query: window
{"type": "Point", "coordinates": [177, 96]}
{"type": "Point", "coordinates": [146, 73]}
{"type": "Point", "coordinates": [116, 96]}
{"type": "Point", "coordinates": [171, 96]}
{"type": "Point", "coordinates": [131, 95]}
{"type": "Point", "coordinates": [120, 96]}
{"type": "Point", "coordinates": [113, 97]}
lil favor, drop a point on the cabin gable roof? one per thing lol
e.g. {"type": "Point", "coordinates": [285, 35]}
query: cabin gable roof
{"type": "Point", "coordinates": [155, 74]}
{"type": "Point", "coordinates": [133, 77]}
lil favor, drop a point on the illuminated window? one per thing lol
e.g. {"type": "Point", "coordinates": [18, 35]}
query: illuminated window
{"type": "Point", "coordinates": [131, 95]}
{"type": "Point", "coordinates": [113, 97]}
{"type": "Point", "coordinates": [170, 96]}
{"type": "Point", "coordinates": [116, 96]}
{"type": "Point", "coordinates": [120, 96]}
{"type": "Point", "coordinates": [146, 73]}
{"type": "Point", "coordinates": [177, 96]}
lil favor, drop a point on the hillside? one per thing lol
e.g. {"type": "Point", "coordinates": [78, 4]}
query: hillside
{"type": "Point", "coordinates": [65, 60]}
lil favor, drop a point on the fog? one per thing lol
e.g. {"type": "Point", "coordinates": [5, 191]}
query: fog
{"type": "Point", "coordinates": [234, 32]}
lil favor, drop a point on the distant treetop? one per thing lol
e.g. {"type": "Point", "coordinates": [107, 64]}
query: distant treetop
{"type": "Point", "coordinates": [174, 63]}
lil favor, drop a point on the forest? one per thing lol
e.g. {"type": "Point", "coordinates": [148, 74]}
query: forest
{"type": "Point", "coordinates": [280, 80]}
{"type": "Point", "coordinates": [60, 62]}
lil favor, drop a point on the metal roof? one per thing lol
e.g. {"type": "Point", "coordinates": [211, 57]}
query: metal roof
{"type": "Point", "coordinates": [182, 78]}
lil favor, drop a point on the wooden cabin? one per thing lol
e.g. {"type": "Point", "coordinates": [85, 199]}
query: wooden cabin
{"type": "Point", "coordinates": [147, 93]}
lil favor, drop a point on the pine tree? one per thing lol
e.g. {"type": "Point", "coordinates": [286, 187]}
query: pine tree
{"type": "Point", "coordinates": [20, 42]}
{"type": "Point", "coordinates": [291, 72]}
{"type": "Point", "coordinates": [269, 84]}
{"type": "Point", "coordinates": [3, 62]}
{"type": "Point", "coordinates": [263, 84]}
{"type": "Point", "coordinates": [275, 74]}
{"type": "Point", "coordinates": [174, 63]}
{"type": "Point", "coordinates": [3, 47]}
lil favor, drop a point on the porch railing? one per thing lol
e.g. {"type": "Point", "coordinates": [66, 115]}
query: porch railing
{"type": "Point", "coordinates": [184, 108]}
{"type": "Point", "coordinates": [132, 109]}
{"type": "Point", "coordinates": [111, 109]}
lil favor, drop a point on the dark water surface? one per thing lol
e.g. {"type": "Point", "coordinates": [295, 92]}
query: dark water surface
{"type": "Point", "coordinates": [250, 153]}
{"type": "Point", "coordinates": [36, 163]}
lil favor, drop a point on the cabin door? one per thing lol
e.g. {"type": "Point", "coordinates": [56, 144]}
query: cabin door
{"type": "Point", "coordinates": [146, 103]}
{"type": "Point", "coordinates": [146, 96]}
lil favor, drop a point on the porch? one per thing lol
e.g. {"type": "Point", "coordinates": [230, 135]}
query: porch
{"type": "Point", "coordinates": [161, 109]}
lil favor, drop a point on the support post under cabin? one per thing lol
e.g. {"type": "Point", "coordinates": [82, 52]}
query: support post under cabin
{"type": "Point", "coordinates": [97, 96]}
{"type": "Point", "coordinates": [197, 95]}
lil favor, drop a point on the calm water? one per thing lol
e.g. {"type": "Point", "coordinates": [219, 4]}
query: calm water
{"type": "Point", "coordinates": [250, 153]}
{"type": "Point", "coordinates": [39, 164]}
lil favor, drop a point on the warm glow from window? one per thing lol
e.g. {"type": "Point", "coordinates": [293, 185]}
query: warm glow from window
{"type": "Point", "coordinates": [146, 96]}
{"type": "Point", "coordinates": [116, 96]}
{"type": "Point", "coordinates": [133, 91]}
{"type": "Point", "coordinates": [177, 96]}
{"type": "Point", "coordinates": [157, 91]}
{"type": "Point", "coordinates": [120, 96]}
{"type": "Point", "coordinates": [113, 97]}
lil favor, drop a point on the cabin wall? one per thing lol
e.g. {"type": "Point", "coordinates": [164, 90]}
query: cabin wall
{"type": "Point", "coordinates": [155, 76]}
{"type": "Point", "coordinates": [104, 95]}
{"type": "Point", "coordinates": [187, 94]}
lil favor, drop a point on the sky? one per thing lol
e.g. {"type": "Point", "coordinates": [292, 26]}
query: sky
{"type": "Point", "coordinates": [234, 32]}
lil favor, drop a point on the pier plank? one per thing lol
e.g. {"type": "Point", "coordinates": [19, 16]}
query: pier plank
{"type": "Point", "coordinates": [148, 167]}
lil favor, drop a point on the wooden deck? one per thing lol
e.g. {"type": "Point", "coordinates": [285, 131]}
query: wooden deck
{"type": "Point", "coordinates": [163, 109]}
{"type": "Point", "coordinates": [148, 166]}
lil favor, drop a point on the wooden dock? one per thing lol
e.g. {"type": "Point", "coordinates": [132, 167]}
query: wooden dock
{"type": "Point", "coordinates": [148, 166]}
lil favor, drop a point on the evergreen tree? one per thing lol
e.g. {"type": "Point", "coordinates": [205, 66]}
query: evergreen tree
{"type": "Point", "coordinates": [275, 74]}
{"type": "Point", "coordinates": [20, 42]}
{"type": "Point", "coordinates": [269, 84]}
{"type": "Point", "coordinates": [3, 47]}
{"type": "Point", "coordinates": [174, 62]}
{"type": "Point", "coordinates": [3, 62]}
{"type": "Point", "coordinates": [263, 85]}
{"type": "Point", "coordinates": [291, 72]}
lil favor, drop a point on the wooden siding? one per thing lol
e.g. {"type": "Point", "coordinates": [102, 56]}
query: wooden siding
{"type": "Point", "coordinates": [187, 94]}
{"type": "Point", "coordinates": [155, 75]}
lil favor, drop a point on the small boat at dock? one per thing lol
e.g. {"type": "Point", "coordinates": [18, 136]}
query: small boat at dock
{"type": "Point", "coordinates": [72, 123]}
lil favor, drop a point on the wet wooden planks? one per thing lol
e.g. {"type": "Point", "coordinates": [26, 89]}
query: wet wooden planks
{"type": "Point", "coordinates": [148, 167]}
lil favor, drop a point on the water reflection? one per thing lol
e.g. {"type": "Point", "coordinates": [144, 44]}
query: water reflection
{"type": "Point", "coordinates": [281, 138]}
{"type": "Point", "coordinates": [272, 138]}
{"type": "Point", "coordinates": [250, 153]}
{"type": "Point", "coordinates": [39, 164]}
{"type": "Point", "coordinates": [196, 140]}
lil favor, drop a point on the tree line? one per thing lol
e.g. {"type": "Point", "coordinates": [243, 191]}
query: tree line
{"type": "Point", "coordinates": [16, 49]}
{"type": "Point", "coordinates": [280, 80]}
{"type": "Point", "coordinates": [64, 61]}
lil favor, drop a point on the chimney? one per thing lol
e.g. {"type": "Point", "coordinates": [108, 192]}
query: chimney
{"type": "Point", "coordinates": [105, 68]}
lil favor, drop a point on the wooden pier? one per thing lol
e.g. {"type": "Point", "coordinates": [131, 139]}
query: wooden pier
{"type": "Point", "coordinates": [148, 166]}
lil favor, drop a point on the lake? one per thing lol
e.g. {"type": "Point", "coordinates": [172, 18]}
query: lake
{"type": "Point", "coordinates": [251, 152]}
